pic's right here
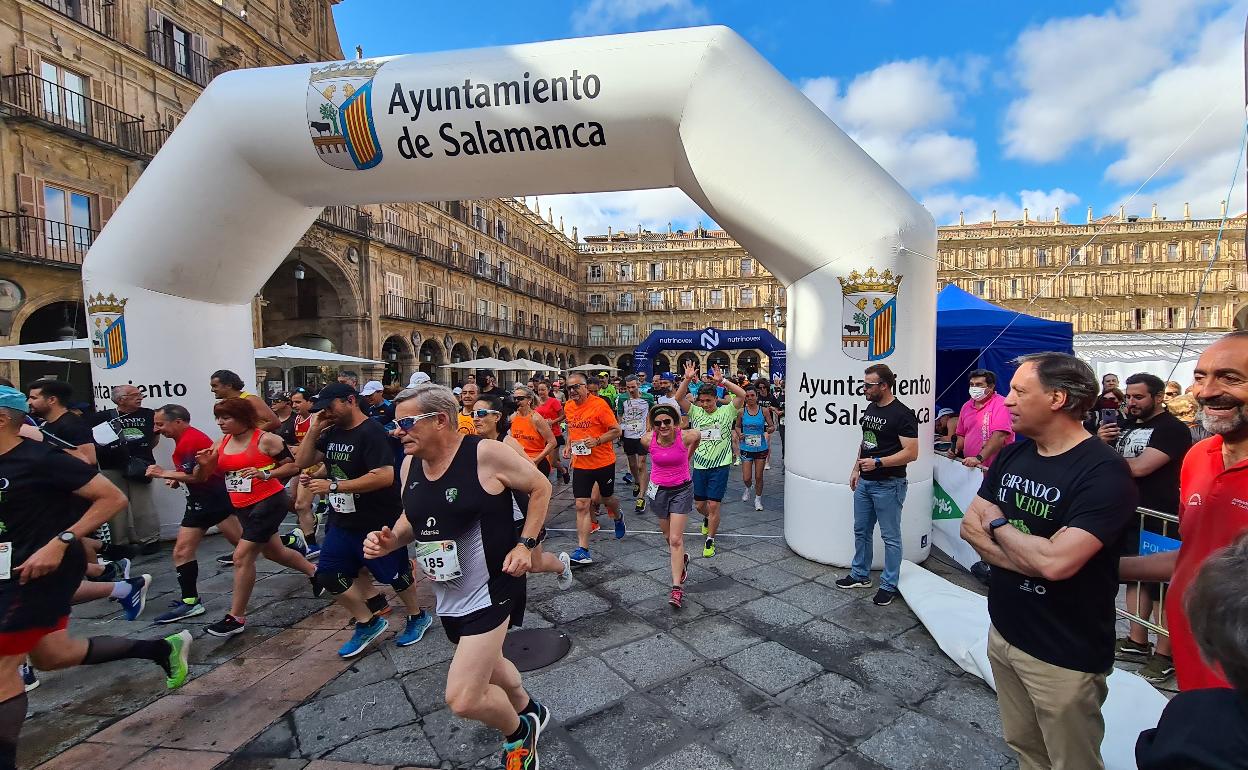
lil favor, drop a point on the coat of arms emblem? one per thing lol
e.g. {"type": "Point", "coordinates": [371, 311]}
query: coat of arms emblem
{"type": "Point", "coordinates": [870, 314]}
{"type": "Point", "coordinates": [107, 327]}
{"type": "Point", "coordinates": [340, 114]}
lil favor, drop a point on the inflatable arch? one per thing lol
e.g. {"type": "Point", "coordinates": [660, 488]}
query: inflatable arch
{"type": "Point", "coordinates": [169, 282]}
{"type": "Point", "coordinates": [708, 339]}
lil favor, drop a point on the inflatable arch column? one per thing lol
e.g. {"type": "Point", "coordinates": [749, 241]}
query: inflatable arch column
{"type": "Point", "coordinates": [170, 280]}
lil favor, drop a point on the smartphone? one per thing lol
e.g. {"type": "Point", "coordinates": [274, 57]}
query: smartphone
{"type": "Point", "coordinates": [1109, 417]}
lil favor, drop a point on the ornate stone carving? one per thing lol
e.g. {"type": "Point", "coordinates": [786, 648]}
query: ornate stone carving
{"type": "Point", "coordinates": [301, 15]}
{"type": "Point", "coordinates": [318, 239]}
{"type": "Point", "coordinates": [229, 57]}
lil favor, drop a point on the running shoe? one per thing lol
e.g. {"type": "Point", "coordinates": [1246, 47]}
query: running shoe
{"type": "Point", "coordinates": [364, 633]}
{"type": "Point", "coordinates": [677, 597]}
{"type": "Point", "coordinates": [849, 581]}
{"type": "Point", "coordinates": [539, 713]}
{"type": "Point", "coordinates": [767, 465]}
{"type": "Point", "coordinates": [594, 526]}
{"type": "Point", "coordinates": [564, 581]}
{"type": "Point", "coordinates": [313, 553]}
{"type": "Point", "coordinates": [226, 626]}
{"type": "Point", "coordinates": [295, 541]}
{"type": "Point", "coordinates": [758, 502]}
{"type": "Point", "coordinates": [640, 507]}
{"type": "Point", "coordinates": [415, 629]}
{"type": "Point", "coordinates": [1129, 649]}
{"type": "Point", "coordinates": [581, 556]}
{"type": "Point", "coordinates": [709, 550]}
{"type": "Point", "coordinates": [620, 529]}
{"type": "Point", "coordinates": [318, 590]}
{"type": "Point", "coordinates": [884, 597]}
{"type": "Point", "coordinates": [684, 572]}
{"type": "Point", "coordinates": [226, 559]}
{"type": "Point", "coordinates": [522, 755]}
{"type": "Point", "coordinates": [636, 490]}
{"type": "Point", "coordinates": [706, 527]}
{"type": "Point", "coordinates": [29, 680]}
{"type": "Point", "coordinates": [745, 495]}
{"type": "Point", "coordinates": [628, 478]}
{"type": "Point", "coordinates": [736, 461]}
{"type": "Point", "coordinates": [181, 609]}
{"type": "Point", "coordinates": [179, 652]}
{"type": "Point", "coordinates": [113, 572]}
{"type": "Point", "coordinates": [134, 603]}
{"type": "Point", "coordinates": [379, 605]}
{"type": "Point", "coordinates": [1158, 669]}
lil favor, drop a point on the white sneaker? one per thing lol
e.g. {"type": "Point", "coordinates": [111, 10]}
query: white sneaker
{"type": "Point", "coordinates": [745, 496]}
{"type": "Point", "coordinates": [758, 502]}
{"type": "Point", "coordinates": [767, 465]}
{"type": "Point", "coordinates": [564, 580]}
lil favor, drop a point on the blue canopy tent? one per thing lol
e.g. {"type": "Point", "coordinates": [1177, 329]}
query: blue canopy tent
{"type": "Point", "coordinates": [965, 324]}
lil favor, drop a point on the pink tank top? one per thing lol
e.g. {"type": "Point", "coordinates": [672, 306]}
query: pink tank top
{"type": "Point", "coordinates": [669, 465]}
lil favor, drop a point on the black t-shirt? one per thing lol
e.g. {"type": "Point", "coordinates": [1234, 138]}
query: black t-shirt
{"type": "Point", "coordinates": [1166, 433]}
{"type": "Point", "coordinates": [1198, 730]}
{"type": "Point", "coordinates": [883, 428]}
{"type": "Point", "coordinates": [138, 433]}
{"type": "Point", "coordinates": [350, 454]}
{"type": "Point", "coordinates": [69, 428]}
{"type": "Point", "coordinates": [287, 430]}
{"type": "Point", "coordinates": [37, 500]}
{"type": "Point", "coordinates": [1068, 623]}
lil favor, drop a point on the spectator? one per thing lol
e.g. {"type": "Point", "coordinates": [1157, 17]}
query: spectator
{"type": "Point", "coordinates": [491, 388]}
{"type": "Point", "coordinates": [1173, 390]}
{"type": "Point", "coordinates": [1048, 518]}
{"type": "Point", "coordinates": [1153, 442]}
{"type": "Point", "coordinates": [348, 377]}
{"type": "Point", "coordinates": [1208, 728]}
{"type": "Point", "coordinates": [984, 422]}
{"type": "Point", "coordinates": [125, 464]}
{"type": "Point", "coordinates": [1111, 397]}
{"type": "Point", "coordinates": [945, 436]}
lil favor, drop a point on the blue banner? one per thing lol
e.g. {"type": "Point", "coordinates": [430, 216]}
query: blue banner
{"type": "Point", "coordinates": [709, 339]}
{"type": "Point", "coordinates": [1151, 542]}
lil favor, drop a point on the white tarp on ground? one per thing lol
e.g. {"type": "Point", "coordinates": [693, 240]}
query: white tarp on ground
{"type": "Point", "coordinates": [958, 620]}
{"type": "Point", "coordinates": [1164, 354]}
{"type": "Point", "coordinates": [953, 488]}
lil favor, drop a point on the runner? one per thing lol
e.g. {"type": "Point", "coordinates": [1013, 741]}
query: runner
{"type": "Point", "coordinates": [457, 506]}
{"type": "Point", "coordinates": [468, 398]}
{"type": "Point", "coordinates": [528, 434]}
{"type": "Point", "coordinates": [632, 406]}
{"type": "Point", "coordinates": [226, 384]}
{"type": "Point", "coordinates": [48, 400]}
{"type": "Point", "coordinates": [42, 563]}
{"type": "Point", "coordinates": [771, 408]}
{"type": "Point", "coordinates": [713, 458]}
{"type": "Point", "coordinates": [551, 408]}
{"type": "Point", "coordinates": [305, 502]}
{"type": "Point", "coordinates": [249, 459]}
{"type": "Point", "coordinates": [207, 505]}
{"type": "Point", "coordinates": [669, 487]}
{"type": "Point", "coordinates": [753, 429]}
{"type": "Point", "coordinates": [363, 497]}
{"type": "Point", "coordinates": [591, 430]}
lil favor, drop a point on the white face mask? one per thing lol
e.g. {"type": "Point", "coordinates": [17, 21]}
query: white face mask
{"type": "Point", "coordinates": [978, 393]}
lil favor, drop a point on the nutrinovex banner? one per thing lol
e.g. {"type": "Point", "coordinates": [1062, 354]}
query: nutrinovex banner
{"type": "Point", "coordinates": [954, 487]}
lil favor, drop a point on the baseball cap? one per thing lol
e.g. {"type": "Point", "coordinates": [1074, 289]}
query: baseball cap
{"type": "Point", "coordinates": [12, 398]}
{"type": "Point", "coordinates": [419, 378]}
{"type": "Point", "coordinates": [331, 392]}
{"type": "Point", "coordinates": [371, 387]}
{"type": "Point", "coordinates": [457, 390]}
{"type": "Point", "coordinates": [946, 410]}
{"type": "Point", "coordinates": [755, 377]}
{"type": "Point", "coordinates": [666, 376]}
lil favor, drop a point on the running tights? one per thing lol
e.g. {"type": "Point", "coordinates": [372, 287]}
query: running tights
{"type": "Point", "coordinates": [12, 714]}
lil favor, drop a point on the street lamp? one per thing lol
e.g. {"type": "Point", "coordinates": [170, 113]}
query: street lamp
{"type": "Point", "coordinates": [300, 274]}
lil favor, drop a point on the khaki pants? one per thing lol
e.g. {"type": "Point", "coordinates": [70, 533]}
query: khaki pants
{"type": "Point", "coordinates": [1051, 715]}
{"type": "Point", "coordinates": [139, 522]}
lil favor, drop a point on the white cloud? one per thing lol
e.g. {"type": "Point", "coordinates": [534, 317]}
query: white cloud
{"type": "Point", "coordinates": [593, 213]}
{"type": "Point", "coordinates": [598, 17]}
{"type": "Point", "coordinates": [945, 207]}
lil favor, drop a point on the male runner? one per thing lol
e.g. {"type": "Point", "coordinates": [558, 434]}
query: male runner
{"type": "Point", "coordinates": [457, 493]}
{"type": "Point", "coordinates": [207, 505]}
{"type": "Point", "coordinates": [633, 406]}
{"type": "Point", "coordinates": [227, 384]}
{"type": "Point", "coordinates": [48, 400]}
{"type": "Point", "coordinates": [713, 458]}
{"type": "Point", "coordinates": [301, 406]}
{"type": "Point", "coordinates": [592, 428]}
{"type": "Point", "coordinates": [362, 498]}
{"type": "Point", "coordinates": [42, 563]}
{"type": "Point", "coordinates": [468, 398]}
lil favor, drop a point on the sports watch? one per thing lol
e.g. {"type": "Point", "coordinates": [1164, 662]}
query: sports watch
{"type": "Point", "coordinates": [996, 524]}
{"type": "Point", "coordinates": [528, 542]}
{"type": "Point", "coordinates": [879, 463]}
{"type": "Point", "coordinates": [67, 537]}
{"type": "Point", "coordinates": [333, 486]}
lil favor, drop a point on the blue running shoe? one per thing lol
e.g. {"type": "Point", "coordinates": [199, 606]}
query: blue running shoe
{"type": "Point", "coordinates": [364, 633]}
{"type": "Point", "coordinates": [313, 553]}
{"type": "Point", "coordinates": [620, 529]}
{"type": "Point", "coordinates": [628, 478]}
{"type": "Point", "coordinates": [180, 609]}
{"type": "Point", "coordinates": [137, 600]}
{"type": "Point", "coordinates": [581, 556]}
{"type": "Point", "coordinates": [417, 625]}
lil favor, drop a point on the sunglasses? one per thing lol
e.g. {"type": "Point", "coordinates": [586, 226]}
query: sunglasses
{"type": "Point", "coordinates": [520, 397]}
{"type": "Point", "coordinates": [484, 412]}
{"type": "Point", "coordinates": [662, 423]}
{"type": "Point", "coordinates": [407, 423]}
{"type": "Point", "coordinates": [575, 386]}
{"type": "Point", "coordinates": [871, 384]}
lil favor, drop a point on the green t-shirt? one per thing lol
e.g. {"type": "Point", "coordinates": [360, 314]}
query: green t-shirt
{"type": "Point", "coordinates": [713, 452]}
{"type": "Point", "coordinates": [633, 413]}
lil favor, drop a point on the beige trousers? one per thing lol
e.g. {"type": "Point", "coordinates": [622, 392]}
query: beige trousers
{"type": "Point", "coordinates": [1051, 715]}
{"type": "Point", "coordinates": [139, 522]}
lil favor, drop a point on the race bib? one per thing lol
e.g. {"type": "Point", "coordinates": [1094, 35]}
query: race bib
{"type": "Point", "coordinates": [581, 450]}
{"type": "Point", "coordinates": [652, 489]}
{"type": "Point", "coordinates": [754, 442]}
{"type": "Point", "coordinates": [6, 560]}
{"type": "Point", "coordinates": [711, 434]}
{"type": "Point", "coordinates": [439, 560]}
{"type": "Point", "coordinates": [342, 502]}
{"type": "Point", "coordinates": [635, 426]}
{"type": "Point", "coordinates": [236, 483]}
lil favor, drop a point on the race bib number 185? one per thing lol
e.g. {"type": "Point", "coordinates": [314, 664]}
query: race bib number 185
{"type": "Point", "coordinates": [439, 560]}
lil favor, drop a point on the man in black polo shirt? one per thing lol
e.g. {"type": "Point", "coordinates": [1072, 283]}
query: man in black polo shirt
{"type": "Point", "coordinates": [1049, 518]}
{"type": "Point", "coordinates": [1154, 443]}
{"type": "Point", "coordinates": [125, 464]}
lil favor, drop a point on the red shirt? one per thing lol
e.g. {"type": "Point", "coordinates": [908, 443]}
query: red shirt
{"type": "Point", "coordinates": [550, 410]}
{"type": "Point", "coordinates": [1213, 511]}
{"type": "Point", "coordinates": [189, 443]}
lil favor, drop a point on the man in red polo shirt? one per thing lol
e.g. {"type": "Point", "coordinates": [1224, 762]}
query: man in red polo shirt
{"type": "Point", "coordinates": [1213, 498]}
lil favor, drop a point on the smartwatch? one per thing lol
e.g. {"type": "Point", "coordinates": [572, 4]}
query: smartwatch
{"type": "Point", "coordinates": [996, 524]}
{"type": "Point", "coordinates": [528, 542]}
{"type": "Point", "coordinates": [266, 474]}
{"type": "Point", "coordinates": [333, 486]}
{"type": "Point", "coordinates": [979, 457]}
{"type": "Point", "coordinates": [879, 463]}
{"type": "Point", "coordinates": [67, 537]}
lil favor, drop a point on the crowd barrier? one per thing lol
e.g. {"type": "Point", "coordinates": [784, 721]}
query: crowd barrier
{"type": "Point", "coordinates": [1159, 533]}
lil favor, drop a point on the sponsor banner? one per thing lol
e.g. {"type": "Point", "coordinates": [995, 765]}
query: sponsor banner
{"type": "Point", "coordinates": [1151, 542]}
{"type": "Point", "coordinates": [953, 489]}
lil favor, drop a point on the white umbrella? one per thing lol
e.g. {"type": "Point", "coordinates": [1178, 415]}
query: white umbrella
{"type": "Point", "coordinates": [15, 354]}
{"type": "Point", "coordinates": [594, 368]}
{"type": "Point", "coordinates": [489, 362]}
{"type": "Point", "coordinates": [525, 365]}
{"type": "Point", "coordinates": [74, 350]}
{"type": "Point", "coordinates": [290, 356]}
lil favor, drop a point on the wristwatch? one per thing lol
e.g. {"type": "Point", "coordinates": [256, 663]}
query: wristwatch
{"type": "Point", "coordinates": [333, 486]}
{"type": "Point", "coordinates": [879, 463]}
{"type": "Point", "coordinates": [996, 524]}
{"type": "Point", "coordinates": [979, 458]}
{"type": "Point", "coordinates": [67, 537]}
{"type": "Point", "coordinates": [528, 542]}
{"type": "Point", "coordinates": [266, 474]}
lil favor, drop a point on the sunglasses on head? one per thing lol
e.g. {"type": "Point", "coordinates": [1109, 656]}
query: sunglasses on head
{"type": "Point", "coordinates": [407, 423]}
{"type": "Point", "coordinates": [484, 412]}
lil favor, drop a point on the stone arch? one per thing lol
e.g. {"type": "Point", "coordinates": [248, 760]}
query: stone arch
{"type": "Point", "coordinates": [719, 358]}
{"type": "Point", "coordinates": [625, 364]}
{"type": "Point", "coordinates": [399, 359]}
{"type": "Point", "coordinates": [550, 359]}
{"type": "Point", "coordinates": [662, 363]}
{"type": "Point", "coordinates": [56, 317]}
{"type": "Point", "coordinates": [504, 354]}
{"type": "Point", "coordinates": [429, 359]}
{"type": "Point", "coordinates": [327, 298]}
{"type": "Point", "coordinates": [748, 361]}
{"type": "Point", "coordinates": [1241, 318]}
{"type": "Point", "coordinates": [687, 357]}
{"type": "Point", "coordinates": [599, 359]}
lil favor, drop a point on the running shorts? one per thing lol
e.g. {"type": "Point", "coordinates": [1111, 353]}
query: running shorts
{"type": "Point", "coordinates": [206, 511]}
{"type": "Point", "coordinates": [583, 480]}
{"type": "Point", "coordinates": [40, 607]}
{"type": "Point", "coordinates": [261, 520]}
{"type": "Point", "coordinates": [755, 455]}
{"type": "Point", "coordinates": [342, 553]}
{"type": "Point", "coordinates": [486, 619]}
{"type": "Point", "coordinates": [710, 483]}
{"type": "Point", "coordinates": [632, 446]}
{"type": "Point", "coordinates": [669, 500]}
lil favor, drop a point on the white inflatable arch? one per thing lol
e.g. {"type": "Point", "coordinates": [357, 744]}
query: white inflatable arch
{"type": "Point", "coordinates": [171, 279]}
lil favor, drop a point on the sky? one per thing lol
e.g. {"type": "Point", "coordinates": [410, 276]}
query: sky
{"type": "Point", "coordinates": [973, 105]}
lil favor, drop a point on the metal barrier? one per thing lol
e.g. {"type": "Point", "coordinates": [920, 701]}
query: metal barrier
{"type": "Point", "coordinates": [1161, 538]}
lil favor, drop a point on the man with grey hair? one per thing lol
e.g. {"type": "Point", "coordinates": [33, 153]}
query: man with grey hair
{"type": "Point", "coordinates": [1049, 518]}
{"type": "Point", "coordinates": [125, 464]}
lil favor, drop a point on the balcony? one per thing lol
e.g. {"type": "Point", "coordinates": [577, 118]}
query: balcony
{"type": "Point", "coordinates": [425, 311]}
{"type": "Point", "coordinates": [29, 97]}
{"type": "Point", "coordinates": [177, 57]}
{"type": "Point", "coordinates": [93, 14]}
{"type": "Point", "coordinates": [346, 218]}
{"type": "Point", "coordinates": [626, 307]}
{"type": "Point", "coordinates": [598, 340]}
{"type": "Point", "coordinates": [44, 241]}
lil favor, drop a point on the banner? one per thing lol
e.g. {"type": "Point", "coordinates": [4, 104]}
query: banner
{"type": "Point", "coordinates": [954, 486]}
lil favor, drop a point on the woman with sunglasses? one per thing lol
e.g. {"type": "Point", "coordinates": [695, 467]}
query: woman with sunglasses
{"type": "Point", "coordinates": [493, 425]}
{"type": "Point", "coordinates": [669, 488]}
{"type": "Point", "coordinates": [531, 430]}
{"type": "Point", "coordinates": [752, 430]}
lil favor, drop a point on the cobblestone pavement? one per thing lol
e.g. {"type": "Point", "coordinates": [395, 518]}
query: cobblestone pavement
{"type": "Point", "coordinates": [767, 666]}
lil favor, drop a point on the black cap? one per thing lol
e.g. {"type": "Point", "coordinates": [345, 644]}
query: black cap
{"type": "Point", "coordinates": [330, 392]}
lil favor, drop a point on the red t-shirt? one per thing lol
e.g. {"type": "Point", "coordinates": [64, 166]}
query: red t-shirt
{"type": "Point", "coordinates": [1213, 511]}
{"type": "Point", "coordinates": [550, 410]}
{"type": "Point", "coordinates": [191, 441]}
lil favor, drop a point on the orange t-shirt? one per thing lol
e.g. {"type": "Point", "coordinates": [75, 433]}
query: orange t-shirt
{"type": "Point", "coordinates": [525, 433]}
{"type": "Point", "coordinates": [466, 425]}
{"type": "Point", "coordinates": [590, 420]}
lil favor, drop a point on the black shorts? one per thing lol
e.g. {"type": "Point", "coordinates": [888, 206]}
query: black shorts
{"type": "Point", "coordinates": [261, 520]}
{"type": "Point", "coordinates": [543, 465]}
{"type": "Point", "coordinates": [486, 620]}
{"type": "Point", "coordinates": [560, 440]}
{"type": "Point", "coordinates": [583, 480]}
{"type": "Point", "coordinates": [207, 511]}
{"type": "Point", "coordinates": [632, 446]}
{"type": "Point", "coordinates": [748, 455]}
{"type": "Point", "coordinates": [39, 605]}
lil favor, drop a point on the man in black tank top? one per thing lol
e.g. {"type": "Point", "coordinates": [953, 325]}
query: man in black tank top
{"type": "Point", "coordinates": [457, 510]}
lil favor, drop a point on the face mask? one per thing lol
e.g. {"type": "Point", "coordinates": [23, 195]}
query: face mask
{"type": "Point", "coordinates": [978, 393]}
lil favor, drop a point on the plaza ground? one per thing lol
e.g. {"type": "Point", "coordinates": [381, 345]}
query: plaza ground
{"type": "Point", "coordinates": [766, 666]}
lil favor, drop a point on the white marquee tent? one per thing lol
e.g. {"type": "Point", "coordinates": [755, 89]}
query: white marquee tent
{"type": "Point", "coordinates": [1165, 355]}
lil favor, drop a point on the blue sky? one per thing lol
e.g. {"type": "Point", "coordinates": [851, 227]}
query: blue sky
{"type": "Point", "coordinates": [972, 105]}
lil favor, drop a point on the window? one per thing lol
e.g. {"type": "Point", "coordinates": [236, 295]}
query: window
{"type": "Point", "coordinates": [1046, 287]}
{"type": "Point", "coordinates": [1207, 315]}
{"type": "Point", "coordinates": [1174, 318]}
{"type": "Point", "coordinates": [1139, 318]}
{"type": "Point", "coordinates": [686, 300]}
{"type": "Point", "coordinates": [716, 298]}
{"type": "Point", "coordinates": [718, 323]}
{"type": "Point", "coordinates": [686, 326]}
{"type": "Point", "coordinates": [1206, 249]}
{"type": "Point", "coordinates": [1014, 288]}
{"type": "Point", "coordinates": [500, 230]}
{"type": "Point", "coordinates": [1042, 257]}
{"type": "Point", "coordinates": [655, 271]}
{"type": "Point", "coordinates": [461, 300]}
{"type": "Point", "coordinates": [1172, 252]}
{"type": "Point", "coordinates": [68, 216]}
{"type": "Point", "coordinates": [483, 307]}
{"type": "Point", "coordinates": [628, 334]}
{"type": "Point", "coordinates": [981, 258]}
{"type": "Point", "coordinates": [478, 219]}
{"type": "Point", "coordinates": [747, 266]}
{"type": "Point", "coordinates": [64, 94]}
{"type": "Point", "coordinates": [434, 295]}
{"type": "Point", "coordinates": [504, 273]}
{"type": "Point", "coordinates": [483, 263]}
{"type": "Point", "coordinates": [657, 326]}
{"type": "Point", "coordinates": [1077, 285]}
{"type": "Point", "coordinates": [1076, 255]}
{"type": "Point", "coordinates": [504, 313]}
{"type": "Point", "coordinates": [174, 47]}
{"type": "Point", "coordinates": [597, 334]}
{"type": "Point", "coordinates": [1137, 253]}
{"type": "Point", "coordinates": [625, 271]}
{"type": "Point", "coordinates": [656, 300]}
{"type": "Point", "coordinates": [1012, 257]}
{"type": "Point", "coordinates": [747, 296]}
{"type": "Point", "coordinates": [595, 303]}
{"type": "Point", "coordinates": [394, 283]}
{"type": "Point", "coordinates": [626, 301]}
{"type": "Point", "coordinates": [1107, 255]}
{"type": "Point", "coordinates": [595, 273]}
{"type": "Point", "coordinates": [1109, 322]}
